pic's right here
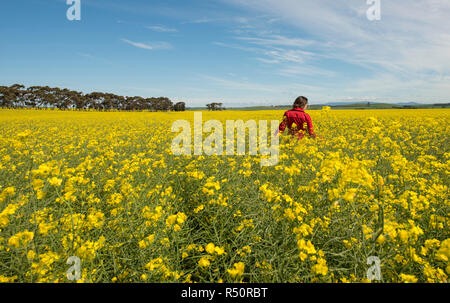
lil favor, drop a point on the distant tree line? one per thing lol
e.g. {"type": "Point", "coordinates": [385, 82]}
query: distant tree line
{"type": "Point", "coordinates": [18, 96]}
{"type": "Point", "coordinates": [215, 106]}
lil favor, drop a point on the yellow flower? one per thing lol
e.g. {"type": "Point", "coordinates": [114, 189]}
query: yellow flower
{"type": "Point", "coordinates": [4, 279]}
{"type": "Point", "coordinates": [237, 270]}
{"type": "Point", "coordinates": [204, 262]}
{"type": "Point", "coordinates": [443, 254]}
{"type": "Point", "coordinates": [24, 134]}
{"type": "Point", "coordinates": [31, 255]}
{"type": "Point", "coordinates": [147, 241]}
{"type": "Point", "coordinates": [199, 208]}
{"type": "Point", "coordinates": [55, 182]}
{"type": "Point", "coordinates": [347, 243]}
{"type": "Point", "coordinates": [350, 195]}
{"type": "Point", "coordinates": [381, 239]}
{"type": "Point", "coordinates": [308, 247]}
{"type": "Point", "coordinates": [219, 250]}
{"type": "Point", "coordinates": [171, 220]}
{"type": "Point", "coordinates": [181, 217]}
{"type": "Point", "coordinates": [321, 267]}
{"type": "Point", "coordinates": [21, 239]}
{"type": "Point", "coordinates": [9, 191]}
{"type": "Point", "coordinates": [210, 248]}
{"type": "Point", "coordinates": [408, 278]}
{"type": "Point", "coordinates": [165, 241]}
{"type": "Point", "coordinates": [403, 235]}
{"type": "Point", "coordinates": [303, 256]}
{"type": "Point", "coordinates": [177, 218]}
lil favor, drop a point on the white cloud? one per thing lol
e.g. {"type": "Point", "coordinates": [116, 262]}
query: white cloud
{"type": "Point", "coordinates": [162, 29]}
{"type": "Point", "coordinates": [408, 50]}
{"type": "Point", "coordinates": [272, 91]}
{"type": "Point", "coordinates": [306, 70]}
{"type": "Point", "coordinates": [243, 21]}
{"type": "Point", "coordinates": [285, 53]}
{"type": "Point", "coordinates": [274, 40]}
{"type": "Point", "coordinates": [268, 61]}
{"type": "Point", "coordinates": [153, 46]}
{"type": "Point", "coordinates": [202, 20]}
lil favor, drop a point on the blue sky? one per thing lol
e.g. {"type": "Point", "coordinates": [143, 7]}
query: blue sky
{"type": "Point", "coordinates": [239, 52]}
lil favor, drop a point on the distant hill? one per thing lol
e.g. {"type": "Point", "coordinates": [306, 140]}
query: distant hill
{"type": "Point", "coordinates": [407, 103]}
{"type": "Point", "coordinates": [371, 103]}
{"type": "Point", "coordinates": [340, 105]}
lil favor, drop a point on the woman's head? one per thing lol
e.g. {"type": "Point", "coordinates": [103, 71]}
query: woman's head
{"type": "Point", "coordinates": [301, 102]}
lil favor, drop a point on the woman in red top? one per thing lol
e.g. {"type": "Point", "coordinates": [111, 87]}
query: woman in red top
{"type": "Point", "coordinates": [297, 116]}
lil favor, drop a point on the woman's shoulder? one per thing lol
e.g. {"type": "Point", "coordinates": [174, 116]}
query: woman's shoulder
{"type": "Point", "coordinates": [307, 115]}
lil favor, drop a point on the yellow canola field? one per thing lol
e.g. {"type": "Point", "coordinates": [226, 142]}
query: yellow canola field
{"type": "Point", "coordinates": [106, 188]}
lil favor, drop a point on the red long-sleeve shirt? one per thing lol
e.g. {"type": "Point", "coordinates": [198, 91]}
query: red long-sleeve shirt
{"type": "Point", "coordinates": [301, 119]}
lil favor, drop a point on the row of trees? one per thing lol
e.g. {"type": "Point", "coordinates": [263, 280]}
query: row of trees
{"type": "Point", "coordinates": [215, 106]}
{"type": "Point", "coordinates": [18, 96]}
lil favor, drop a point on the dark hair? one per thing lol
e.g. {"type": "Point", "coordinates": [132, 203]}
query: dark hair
{"type": "Point", "coordinates": [300, 102]}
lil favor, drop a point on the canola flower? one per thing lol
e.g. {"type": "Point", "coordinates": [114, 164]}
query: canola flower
{"type": "Point", "coordinates": [21, 239]}
{"type": "Point", "coordinates": [237, 270]}
{"type": "Point", "coordinates": [106, 187]}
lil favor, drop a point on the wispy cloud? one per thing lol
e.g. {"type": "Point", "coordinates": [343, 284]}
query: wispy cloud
{"type": "Point", "coordinates": [243, 21]}
{"type": "Point", "coordinates": [408, 31]}
{"type": "Point", "coordinates": [152, 46]}
{"type": "Point", "coordinates": [202, 20]}
{"type": "Point", "coordinates": [283, 52]}
{"type": "Point", "coordinates": [410, 43]}
{"type": "Point", "coordinates": [306, 70]}
{"type": "Point", "coordinates": [278, 40]}
{"type": "Point", "coordinates": [268, 61]}
{"type": "Point", "coordinates": [241, 84]}
{"type": "Point", "coordinates": [238, 47]}
{"type": "Point", "coordinates": [162, 29]}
